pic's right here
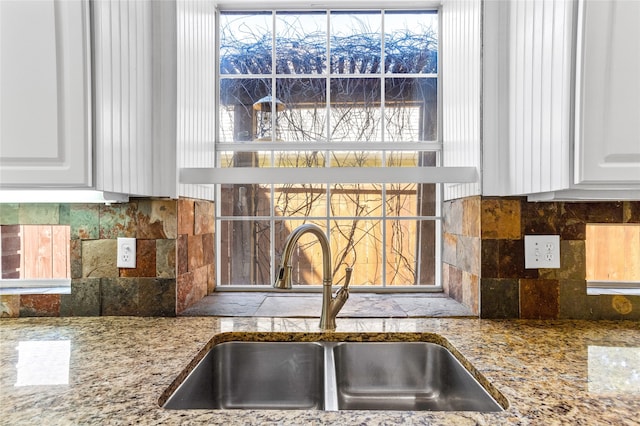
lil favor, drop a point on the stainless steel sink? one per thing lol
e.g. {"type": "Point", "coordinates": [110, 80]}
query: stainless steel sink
{"type": "Point", "coordinates": [406, 376]}
{"type": "Point", "coordinates": [331, 376]}
{"type": "Point", "coordinates": [255, 375]}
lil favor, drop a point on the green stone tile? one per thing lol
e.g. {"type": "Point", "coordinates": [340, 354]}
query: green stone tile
{"type": "Point", "coordinates": [157, 297]}
{"type": "Point", "coordinates": [9, 214]}
{"type": "Point", "coordinates": [119, 296]}
{"type": "Point", "coordinates": [118, 220]}
{"type": "Point", "coordinates": [166, 258]}
{"type": "Point", "coordinates": [499, 298]}
{"type": "Point", "coordinates": [572, 262]}
{"type": "Point", "coordinates": [84, 299]}
{"type": "Point", "coordinates": [85, 221]}
{"type": "Point", "coordinates": [574, 303]}
{"type": "Point", "coordinates": [99, 258]}
{"type": "Point", "coordinates": [39, 214]}
{"type": "Point", "coordinates": [65, 214]}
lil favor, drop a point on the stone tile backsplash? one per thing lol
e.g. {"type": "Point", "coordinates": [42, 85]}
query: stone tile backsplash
{"type": "Point", "coordinates": [99, 287]}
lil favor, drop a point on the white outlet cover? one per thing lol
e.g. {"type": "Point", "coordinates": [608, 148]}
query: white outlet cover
{"type": "Point", "coordinates": [126, 253]}
{"type": "Point", "coordinates": [541, 251]}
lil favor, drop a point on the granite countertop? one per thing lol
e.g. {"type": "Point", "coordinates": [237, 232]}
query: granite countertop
{"type": "Point", "coordinates": [114, 370]}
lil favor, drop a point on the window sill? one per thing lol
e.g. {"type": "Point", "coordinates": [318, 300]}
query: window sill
{"type": "Point", "coordinates": [53, 286]}
{"type": "Point", "coordinates": [595, 288]}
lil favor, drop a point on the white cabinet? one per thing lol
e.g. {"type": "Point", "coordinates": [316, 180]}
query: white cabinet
{"type": "Point", "coordinates": [561, 99]}
{"type": "Point", "coordinates": [45, 114]}
{"type": "Point", "coordinates": [607, 131]}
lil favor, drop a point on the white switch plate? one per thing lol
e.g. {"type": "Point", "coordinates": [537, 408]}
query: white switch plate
{"type": "Point", "coordinates": [126, 252]}
{"type": "Point", "coordinates": [541, 251]}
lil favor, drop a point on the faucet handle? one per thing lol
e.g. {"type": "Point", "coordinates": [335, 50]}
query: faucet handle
{"type": "Point", "coordinates": [347, 276]}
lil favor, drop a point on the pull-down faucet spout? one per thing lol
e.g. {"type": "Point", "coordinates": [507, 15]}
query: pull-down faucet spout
{"type": "Point", "coordinates": [330, 305]}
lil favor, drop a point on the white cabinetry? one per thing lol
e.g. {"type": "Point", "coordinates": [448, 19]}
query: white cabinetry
{"type": "Point", "coordinates": [45, 114]}
{"type": "Point", "coordinates": [608, 93]}
{"type": "Point", "coordinates": [561, 104]}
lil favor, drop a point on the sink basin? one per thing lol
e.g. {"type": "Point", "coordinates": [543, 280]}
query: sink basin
{"type": "Point", "coordinates": [406, 376]}
{"type": "Point", "coordinates": [255, 375]}
{"type": "Point", "coordinates": [331, 376]}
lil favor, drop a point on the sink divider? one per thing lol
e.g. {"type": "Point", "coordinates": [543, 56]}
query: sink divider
{"type": "Point", "coordinates": [330, 384]}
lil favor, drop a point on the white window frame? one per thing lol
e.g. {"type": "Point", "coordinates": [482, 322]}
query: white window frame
{"type": "Point", "coordinates": [437, 174]}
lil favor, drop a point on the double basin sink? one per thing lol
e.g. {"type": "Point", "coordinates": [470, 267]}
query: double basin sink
{"type": "Point", "coordinates": [331, 376]}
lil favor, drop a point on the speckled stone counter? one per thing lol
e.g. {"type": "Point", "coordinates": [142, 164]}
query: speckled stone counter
{"type": "Point", "coordinates": [114, 370]}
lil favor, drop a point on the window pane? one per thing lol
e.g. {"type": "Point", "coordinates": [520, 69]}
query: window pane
{"type": "Point", "coordinates": [301, 43]}
{"type": "Point", "coordinates": [356, 200]}
{"type": "Point", "coordinates": [411, 42]}
{"type": "Point", "coordinates": [410, 252]}
{"type": "Point", "coordinates": [355, 109]}
{"type": "Point", "coordinates": [306, 259]}
{"type": "Point", "coordinates": [305, 115]}
{"type": "Point", "coordinates": [245, 200]}
{"type": "Point", "coordinates": [355, 42]}
{"type": "Point", "coordinates": [245, 43]}
{"type": "Point", "coordinates": [244, 159]}
{"type": "Point", "coordinates": [245, 252]}
{"type": "Point", "coordinates": [300, 159]}
{"type": "Point", "coordinates": [357, 243]}
{"type": "Point", "coordinates": [238, 118]}
{"type": "Point", "coordinates": [356, 159]}
{"type": "Point", "coordinates": [411, 109]}
{"type": "Point", "coordinates": [300, 200]}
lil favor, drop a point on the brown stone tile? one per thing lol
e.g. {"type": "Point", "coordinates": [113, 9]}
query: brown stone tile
{"type": "Point", "coordinates": [468, 254]}
{"type": "Point", "coordinates": [539, 299]}
{"type": "Point", "coordinates": [500, 219]}
{"type": "Point", "coordinates": [157, 219]}
{"type": "Point", "coordinates": [489, 257]}
{"type": "Point", "coordinates": [157, 297]}
{"type": "Point", "coordinates": [470, 289]}
{"type": "Point", "coordinates": [211, 278]}
{"type": "Point", "coordinates": [540, 218]}
{"type": "Point", "coordinates": [9, 306]}
{"type": "Point", "coordinates": [455, 284]}
{"type": "Point", "coordinates": [119, 296]}
{"type": "Point", "coordinates": [184, 291]}
{"type": "Point", "coordinates": [39, 305]}
{"type": "Point", "coordinates": [445, 278]}
{"type": "Point", "coordinates": [452, 217]}
{"type": "Point", "coordinates": [449, 243]}
{"type": "Point", "coordinates": [631, 212]}
{"type": "Point", "coordinates": [186, 216]}
{"type": "Point", "coordinates": [204, 217]}
{"type": "Point", "coordinates": [499, 298]}
{"type": "Point", "coordinates": [182, 261]}
{"type": "Point", "coordinates": [145, 260]}
{"type": "Point", "coordinates": [99, 258]}
{"type": "Point", "coordinates": [200, 283]}
{"type": "Point", "coordinates": [511, 260]}
{"type": "Point", "coordinates": [166, 258]}
{"type": "Point", "coordinates": [194, 249]}
{"type": "Point", "coordinates": [208, 248]}
{"type": "Point", "coordinates": [471, 216]}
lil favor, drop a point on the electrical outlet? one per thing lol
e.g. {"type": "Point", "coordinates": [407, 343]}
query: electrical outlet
{"type": "Point", "coordinates": [541, 251]}
{"type": "Point", "coordinates": [126, 252]}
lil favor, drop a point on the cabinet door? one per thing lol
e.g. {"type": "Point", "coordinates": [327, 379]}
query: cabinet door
{"type": "Point", "coordinates": [608, 93]}
{"type": "Point", "coordinates": [45, 137]}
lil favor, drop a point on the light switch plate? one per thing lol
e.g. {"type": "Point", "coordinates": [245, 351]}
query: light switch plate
{"type": "Point", "coordinates": [126, 253]}
{"type": "Point", "coordinates": [541, 251]}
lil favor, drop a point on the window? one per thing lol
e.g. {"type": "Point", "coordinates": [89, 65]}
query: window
{"type": "Point", "coordinates": [344, 105]}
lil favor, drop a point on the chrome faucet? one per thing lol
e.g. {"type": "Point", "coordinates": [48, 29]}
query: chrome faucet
{"type": "Point", "coordinates": [330, 305]}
